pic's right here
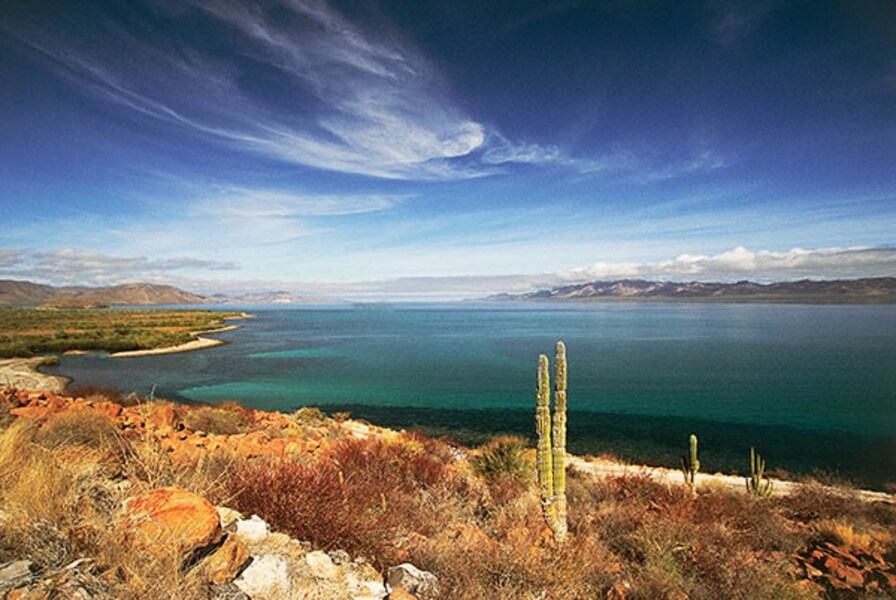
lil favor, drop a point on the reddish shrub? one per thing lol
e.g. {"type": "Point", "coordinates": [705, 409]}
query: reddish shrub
{"type": "Point", "coordinates": [360, 496]}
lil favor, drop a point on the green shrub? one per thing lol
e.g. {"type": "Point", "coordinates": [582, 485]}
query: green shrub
{"type": "Point", "coordinates": [502, 457]}
{"type": "Point", "coordinates": [216, 420]}
{"type": "Point", "coordinates": [309, 415]}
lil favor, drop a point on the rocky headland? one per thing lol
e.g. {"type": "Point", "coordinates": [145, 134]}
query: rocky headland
{"type": "Point", "coordinates": [229, 502]}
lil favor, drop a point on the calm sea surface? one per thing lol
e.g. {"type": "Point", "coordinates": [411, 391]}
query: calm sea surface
{"type": "Point", "coordinates": [812, 387]}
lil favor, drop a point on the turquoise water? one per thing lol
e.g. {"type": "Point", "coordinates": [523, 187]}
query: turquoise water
{"type": "Point", "coordinates": [812, 387]}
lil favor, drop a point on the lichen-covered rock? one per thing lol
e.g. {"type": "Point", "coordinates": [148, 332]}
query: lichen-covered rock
{"type": "Point", "coordinates": [170, 518]}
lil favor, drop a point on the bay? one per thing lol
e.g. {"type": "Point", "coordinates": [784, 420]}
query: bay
{"type": "Point", "coordinates": [813, 388]}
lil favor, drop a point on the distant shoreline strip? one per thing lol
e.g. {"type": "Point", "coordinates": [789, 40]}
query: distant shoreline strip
{"type": "Point", "coordinates": [199, 343]}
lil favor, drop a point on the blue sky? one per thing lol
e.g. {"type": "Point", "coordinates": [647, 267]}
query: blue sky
{"type": "Point", "coordinates": [445, 149]}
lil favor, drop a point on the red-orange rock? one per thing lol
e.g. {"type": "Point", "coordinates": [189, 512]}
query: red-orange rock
{"type": "Point", "coordinates": [401, 594]}
{"type": "Point", "coordinates": [111, 409]}
{"type": "Point", "coordinates": [38, 409]}
{"type": "Point", "coordinates": [164, 416]}
{"type": "Point", "coordinates": [254, 444]}
{"type": "Point", "coordinates": [170, 518]}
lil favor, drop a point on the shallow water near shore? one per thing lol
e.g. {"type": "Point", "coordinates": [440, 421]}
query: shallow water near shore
{"type": "Point", "coordinates": [812, 387]}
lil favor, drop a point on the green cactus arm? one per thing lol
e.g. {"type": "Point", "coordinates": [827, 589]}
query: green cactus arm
{"type": "Point", "coordinates": [559, 442]}
{"type": "Point", "coordinates": [544, 462]}
{"type": "Point", "coordinates": [695, 462]}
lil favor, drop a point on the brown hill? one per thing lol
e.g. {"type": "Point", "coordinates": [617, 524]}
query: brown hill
{"type": "Point", "coordinates": [134, 294]}
{"type": "Point", "coordinates": [25, 293]}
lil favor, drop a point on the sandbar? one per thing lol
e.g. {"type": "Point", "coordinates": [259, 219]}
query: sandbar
{"type": "Point", "coordinates": [23, 373]}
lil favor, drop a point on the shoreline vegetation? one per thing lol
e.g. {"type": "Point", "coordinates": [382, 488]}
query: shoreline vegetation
{"type": "Point", "coordinates": [328, 490]}
{"type": "Point", "coordinates": [26, 332]}
{"type": "Point", "coordinates": [30, 332]}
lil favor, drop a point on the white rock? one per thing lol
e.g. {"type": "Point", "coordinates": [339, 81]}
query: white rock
{"type": "Point", "coordinates": [253, 529]}
{"type": "Point", "coordinates": [365, 589]}
{"type": "Point", "coordinates": [321, 565]}
{"type": "Point", "coordinates": [14, 571]}
{"type": "Point", "coordinates": [422, 583]}
{"type": "Point", "coordinates": [266, 577]}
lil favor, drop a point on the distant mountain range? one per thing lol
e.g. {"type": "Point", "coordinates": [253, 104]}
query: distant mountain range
{"type": "Point", "coordinates": [869, 290]}
{"type": "Point", "coordinates": [24, 293]}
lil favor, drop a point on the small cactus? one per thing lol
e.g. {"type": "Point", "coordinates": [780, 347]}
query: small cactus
{"type": "Point", "coordinates": [551, 448]}
{"type": "Point", "coordinates": [758, 485]}
{"type": "Point", "coordinates": [691, 466]}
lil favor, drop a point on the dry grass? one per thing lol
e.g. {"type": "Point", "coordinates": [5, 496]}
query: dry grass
{"type": "Point", "coordinates": [84, 427]}
{"type": "Point", "coordinates": [61, 494]}
{"type": "Point", "coordinates": [476, 524]}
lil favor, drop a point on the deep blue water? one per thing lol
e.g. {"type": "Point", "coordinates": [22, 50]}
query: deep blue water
{"type": "Point", "coordinates": [812, 387]}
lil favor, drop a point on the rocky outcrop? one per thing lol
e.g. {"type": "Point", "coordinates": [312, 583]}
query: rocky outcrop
{"type": "Point", "coordinates": [242, 560]}
{"type": "Point", "coordinates": [839, 570]}
{"type": "Point", "coordinates": [266, 434]}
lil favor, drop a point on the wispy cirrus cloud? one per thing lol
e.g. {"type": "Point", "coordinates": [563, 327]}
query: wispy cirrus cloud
{"type": "Point", "coordinates": [243, 202]}
{"type": "Point", "coordinates": [301, 83]}
{"type": "Point", "coordinates": [356, 102]}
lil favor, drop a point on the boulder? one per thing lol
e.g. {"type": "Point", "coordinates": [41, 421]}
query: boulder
{"type": "Point", "coordinates": [265, 577]}
{"type": "Point", "coordinates": [170, 518]}
{"type": "Point", "coordinates": [14, 573]}
{"type": "Point", "coordinates": [226, 562]}
{"type": "Point", "coordinates": [421, 583]}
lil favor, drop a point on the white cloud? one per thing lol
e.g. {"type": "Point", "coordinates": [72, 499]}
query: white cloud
{"type": "Point", "coordinates": [238, 202]}
{"type": "Point", "coordinates": [10, 257]}
{"type": "Point", "coordinates": [762, 265]}
{"type": "Point", "coordinates": [75, 266]}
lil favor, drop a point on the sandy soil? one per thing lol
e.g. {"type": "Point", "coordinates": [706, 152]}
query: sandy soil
{"type": "Point", "coordinates": [22, 373]}
{"type": "Point", "coordinates": [606, 468]}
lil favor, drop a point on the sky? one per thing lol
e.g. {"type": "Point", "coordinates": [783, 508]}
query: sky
{"type": "Point", "coordinates": [410, 149]}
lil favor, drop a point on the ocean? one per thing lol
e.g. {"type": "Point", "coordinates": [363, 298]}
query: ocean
{"type": "Point", "coordinates": [812, 387]}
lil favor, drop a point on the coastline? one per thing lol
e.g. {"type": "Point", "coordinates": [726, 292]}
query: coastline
{"type": "Point", "coordinates": [199, 343]}
{"type": "Point", "coordinates": [24, 373]}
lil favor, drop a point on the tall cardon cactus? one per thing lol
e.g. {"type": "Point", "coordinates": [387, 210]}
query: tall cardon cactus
{"type": "Point", "coordinates": [690, 466]}
{"type": "Point", "coordinates": [551, 449]}
{"type": "Point", "coordinates": [758, 485]}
